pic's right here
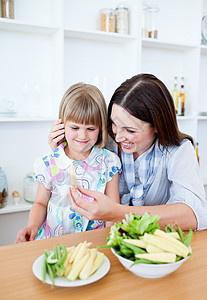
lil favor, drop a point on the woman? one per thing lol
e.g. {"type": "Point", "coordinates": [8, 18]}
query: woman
{"type": "Point", "coordinates": [160, 169]}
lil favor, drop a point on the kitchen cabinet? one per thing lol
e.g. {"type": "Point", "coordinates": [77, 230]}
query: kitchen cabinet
{"type": "Point", "coordinates": [52, 44]}
{"type": "Point", "coordinates": [11, 221]}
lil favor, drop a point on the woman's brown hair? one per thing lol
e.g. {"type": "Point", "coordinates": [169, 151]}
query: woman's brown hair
{"type": "Point", "coordinates": [146, 97]}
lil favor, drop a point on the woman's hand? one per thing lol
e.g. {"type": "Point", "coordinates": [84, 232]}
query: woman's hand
{"type": "Point", "coordinates": [26, 234]}
{"type": "Point", "coordinates": [102, 208]}
{"type": "Point", "coordinates": [56, 134]}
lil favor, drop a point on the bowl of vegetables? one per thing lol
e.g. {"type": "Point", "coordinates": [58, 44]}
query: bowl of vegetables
{"type": "Point", "coordinates": [146, 250]}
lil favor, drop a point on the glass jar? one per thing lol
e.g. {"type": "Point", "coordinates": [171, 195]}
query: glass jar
{"type": "Point", "coordinates": [30, 188]}
{"type": "Point", "coordinates": [144, 20]}
{"type": "Point", "coordinates": [3, 188]}
{"type": "Point", "coordinates": [152, 22]}
{"type": "Point", "coordinates": [107, 20]}
{"type": "Point", "coordinates": [7, 9]}
{"type": "Point", "coordinates": [122, 19]}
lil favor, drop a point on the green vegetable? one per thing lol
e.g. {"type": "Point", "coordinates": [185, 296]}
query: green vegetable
{"type": "Point", "coordinates": [51, 274]}
{"type": "Point", "coordinates": [44, 270]}
{"type": "Point", "coordinates": [170, 229]}
{"type": "Point", "coordinates": [51, 258]}
{"type": "Point", "coordinates": [135, 249]}
{"type": "Point", "coordinates": [140, 224]}
{"type": "Point", "coordinates": [180, 232]}
{"type": "Point", "coordinates": [188, 237]}
{"type": "Point", "coordinates": [63, 257]}
{"type": "Point", "coordinates": [136, 227]}
{"type": "Point", "coordinates": [53, 263]}
{"type": "Point", "coordinates": [132, 227]}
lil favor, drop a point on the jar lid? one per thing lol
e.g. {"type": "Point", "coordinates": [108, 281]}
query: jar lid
{"type": "Point", "coordinates": [155, 9]}
{"type": "Point", "coordinates": [106, 11]}
{"type": "Point", "coordinates": [122, 6]}
{"type": "Point", "coordinates": [204, 29]}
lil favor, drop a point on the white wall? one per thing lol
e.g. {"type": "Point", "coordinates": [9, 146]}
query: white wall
{"type": "Point", "coordinates": [20, 144]}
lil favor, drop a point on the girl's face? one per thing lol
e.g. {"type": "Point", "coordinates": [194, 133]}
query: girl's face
{"type": "Point", "coordinates": [80, 138]}
{"type": "Point", "coordinates": [134, 135]}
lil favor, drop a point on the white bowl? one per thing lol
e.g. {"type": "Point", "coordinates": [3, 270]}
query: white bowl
{"type": "Point", "coordinates": [149, 270]}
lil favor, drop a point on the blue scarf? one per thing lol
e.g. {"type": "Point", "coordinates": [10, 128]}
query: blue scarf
{"type": "Point", "coordinates": [139, 174]}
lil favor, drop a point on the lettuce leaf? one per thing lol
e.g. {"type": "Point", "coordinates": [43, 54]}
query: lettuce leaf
{"type": "Point", "coordinates": [131, 227]}
{"type": "Point", "coordinates": [140, 224]}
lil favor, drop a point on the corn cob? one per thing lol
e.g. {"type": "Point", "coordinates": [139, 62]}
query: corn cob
{"type": "Point", "coordinates": [98, 261]}
{"type": "Point", "coordinates": [135, 242]}
{"type": "Point", "coordinates": [158, 257]}
{"type": "Point", "coordinates": [76, 268]}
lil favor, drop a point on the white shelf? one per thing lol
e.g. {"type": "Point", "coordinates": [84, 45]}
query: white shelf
{"type": "Point", "coordinates": [156, 43]}
{"type": "Point", "coordinates": [26, 119]}
{"type": "Point", "coordinates": [202, 118]}
{"type": "Point", "coordinates": [204, 179]}
{"type": "Point", "coordinates": [11, 208]}
{"type": "Point", "coordinates": [14, 25]}
{"type": "Point", "coordinates": [185, 118]}
{"type": "Point", "coordinates": [203, 49]}
{"type": "Point", "coordinates": [98, 36]}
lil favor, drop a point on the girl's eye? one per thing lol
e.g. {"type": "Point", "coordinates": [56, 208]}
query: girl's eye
{"type": "Point", "coordinates": [91, 129]}
{"type": "Point", "coordinates": [74, 128]}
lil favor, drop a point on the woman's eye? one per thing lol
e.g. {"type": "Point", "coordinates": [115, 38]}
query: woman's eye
{"type": "Point", "coordinates": [130, 131]}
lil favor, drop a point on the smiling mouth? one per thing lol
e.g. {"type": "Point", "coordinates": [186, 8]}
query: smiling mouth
{"type": "Point", "coordinates": [82, 142]}
{"type": "Point", "coordinates": [126, 145]}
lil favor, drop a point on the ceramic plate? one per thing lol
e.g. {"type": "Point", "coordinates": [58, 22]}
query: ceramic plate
{"type": "Point", "coordinates": [62, 281]}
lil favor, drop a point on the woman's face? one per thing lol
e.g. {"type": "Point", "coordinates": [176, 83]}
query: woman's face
{"type": "Point", "coordinates": [134, 135]}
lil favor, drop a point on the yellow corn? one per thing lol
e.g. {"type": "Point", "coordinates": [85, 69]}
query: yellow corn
{"type": "Point", "coordinates": [80, 253]}
{"type": "Point", "coordinates": [73, 177]}
{"type": "Point", "coordinates": [75, 252]}
{"type": "Point", "coordinates": [67, 270]}
{"type": "Point", "coordinates": [158, 257]}
{"type": "Point", "coordinates": [70, 252]}
{"type": "Point", "coordinates": [76, 268]}
{"type": "Point", "coordinates": [93, 252]}
{"type": "Point", "coordinates": [135, 242]}
{"type": "Point", "coordinates": [153, 249]}
{"type": "Point", "coordinates": [171, 239]}
{"type": "Point", "coordinates": [97, 262]}
{"type": "Point", "coordinates": [173, 234]}
{"type": "Point", "coordinates": [85, 272]}
{"type": "Point", "coordinates": [162, 244]}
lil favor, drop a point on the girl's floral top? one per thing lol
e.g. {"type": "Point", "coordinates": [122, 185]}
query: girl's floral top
{"type": "Point", "coordinates": [55, 172]}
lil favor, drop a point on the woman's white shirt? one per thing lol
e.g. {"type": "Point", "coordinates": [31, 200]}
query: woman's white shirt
{"type": "Point", "coordinates": [178, 180]}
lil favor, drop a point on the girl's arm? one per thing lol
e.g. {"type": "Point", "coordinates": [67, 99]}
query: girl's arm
{"type": "Point", "coordinates": [106, 210]}
{"type": "Point", "coordinates": [37, 215]}
{"type": "Point", "coordinates": [112, 191]}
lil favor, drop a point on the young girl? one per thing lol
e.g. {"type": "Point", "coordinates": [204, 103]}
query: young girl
{"type": "Point", "coordinates": [79, 160]}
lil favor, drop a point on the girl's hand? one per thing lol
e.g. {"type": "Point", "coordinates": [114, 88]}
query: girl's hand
{"type": "Point", "coordinates": [56, 134]}
{"type": "Point", "coordinates": [26, 234]}
{"type": "Point", "coordinates": [103, 208]}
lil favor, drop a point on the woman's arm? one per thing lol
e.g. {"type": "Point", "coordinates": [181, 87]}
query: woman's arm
{"type": "Point", "coordinates": [112, 191]}
{"type": "Point", "coordinates": [106, 210]}
{"type": "Point", "coordinates": [37, 215]}
{"type": "Point", "coordinates": [56, 134]}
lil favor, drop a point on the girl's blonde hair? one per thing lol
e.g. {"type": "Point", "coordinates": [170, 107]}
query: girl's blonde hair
{"type": "Point", "coordinates": [84, 104]}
